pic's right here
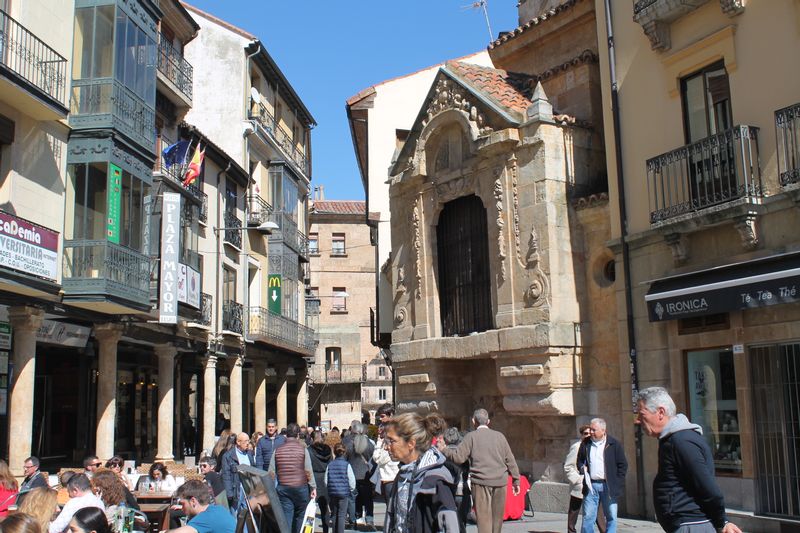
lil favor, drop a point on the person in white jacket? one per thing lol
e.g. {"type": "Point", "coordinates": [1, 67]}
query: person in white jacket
{"type": "Point", "coordinates": [576, 485]}
{"type": "Point", "coordinates": [386, 471]}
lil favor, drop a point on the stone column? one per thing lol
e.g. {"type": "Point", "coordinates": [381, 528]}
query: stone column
{"type": "Point", "coordinates": [302, 396]}
{"type": "Point", "coordinates": [236, 394]}
{"type": "Point", "coordinates": [282, 399]}
{"type": "Point", "coordinates": [107, 336]}
{"type": "Point", "coordinates": [166, 376]}
{"type": "Point", "coordinates": [209, 401]}
{"type": "Point", "coordinates": [260, 401]}
{"type": "Point", "coordinates": [25, 322]}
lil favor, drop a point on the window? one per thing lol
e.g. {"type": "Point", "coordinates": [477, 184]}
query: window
{"type": "Point", "coordinates": [228, 285]}
{"type": "Point", "coordinates": [339, 299]}
{"type": "Point", "coordinates": [136, 55]}
{"type": "Point", "coordinates": [89, 184]}
{"type": "Point", "coordinates": [313, 244]}
{"type": "Point", "coordinates": [230, 199]}
{"type": "Point", "coordinates": [381, 394]}
{"type": "Point", "coordinates": [465, 300]}
{"type": "Point", "coordinates": [338, 244]}
{"type": "Point", "coordinates": [712, 404]}
{"type": "Point", "coordinates": [333, 358]}
{"type": "Point", "coordinates": [382, 371]}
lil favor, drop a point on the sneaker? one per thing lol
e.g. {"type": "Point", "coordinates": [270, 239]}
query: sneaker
{"type": "Point", "coordinates": [361, 521]}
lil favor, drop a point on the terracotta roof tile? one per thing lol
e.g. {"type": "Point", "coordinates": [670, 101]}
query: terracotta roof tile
{"type": "Point", "coordinates": [508, 89]}
{"type": "Point", "coordinates": [340, 207]}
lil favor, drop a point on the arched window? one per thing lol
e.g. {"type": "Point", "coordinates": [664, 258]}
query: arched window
{"type": "Point", "coordinates": [465, 300]}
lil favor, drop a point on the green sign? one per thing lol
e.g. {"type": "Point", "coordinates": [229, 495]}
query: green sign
{"type": "Point", "coordinates": [274, 293]}
{"type": "Point", "coordinates": [114, 201]}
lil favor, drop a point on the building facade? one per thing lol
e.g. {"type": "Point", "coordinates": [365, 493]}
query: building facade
{"type": "Point", "coordinates": [708, 134]}
{"type": "Point", "coordinates": [350, 378]}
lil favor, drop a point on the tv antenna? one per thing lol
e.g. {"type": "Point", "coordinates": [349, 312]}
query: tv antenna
{"type": "Point", "coordinates": [481, 4]}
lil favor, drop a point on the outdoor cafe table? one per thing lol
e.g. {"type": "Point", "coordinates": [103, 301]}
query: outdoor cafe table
{"type": "Point", "coordinates": [153, 497]}
{"type": "Point", "coordinates": [157, 514]}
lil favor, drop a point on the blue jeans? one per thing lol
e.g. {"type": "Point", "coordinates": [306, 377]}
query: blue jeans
{"type": "Point", "coordinates": [601, 495]}
{"type": "Point", "coordinates": [294, 501]}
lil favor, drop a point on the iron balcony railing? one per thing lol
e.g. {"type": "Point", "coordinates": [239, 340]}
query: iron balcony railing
{"type": "Point", "coordinates": [233, 236]}
{"type": "Point", "coordinates": [192, 259]}
{"type": "Point", "coordinates": [270, 327]}
{"type": "Point", "coordinates": [174, 67]}
{"type": "Point", "coordinates": [176, 173]}
{"type": "Point", "coordinates": [312, 306]}
{"type": "Point", "coordinates": [281, 136]}
{"type": "Point", "coordinates": [206, 308]}
{"type": "Point", "coordinates": [787, 132]}
{"type": "Point", "coordinates": [715, 170]}
{"type": "Point", "coordinates": [343, 373]}
{"type": "Point", "coordinates": [104, 268]}
{"type": "Point", "coordinates": [288, 233]}
{"type": "Point", "coordinates": [28, 57]}
{"type": "Point", "coordinates": [232, 316]}
{"type": "Point", "coordinates": [258, 210]}
{"type": "Point", "coordinates": [108, 103]}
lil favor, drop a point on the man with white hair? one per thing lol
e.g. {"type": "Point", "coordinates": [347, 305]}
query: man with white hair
{"type": "Point", "coordinates": [601, 460]}
{"type": "Point", "coordinates": [686, 496]}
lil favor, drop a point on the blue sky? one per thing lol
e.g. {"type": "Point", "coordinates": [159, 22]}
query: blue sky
{"type": "Point", "coordinates": [329, 51]}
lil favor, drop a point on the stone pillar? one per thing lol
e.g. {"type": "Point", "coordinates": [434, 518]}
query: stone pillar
{"type": "Point", "coordinates": [25, 322]}
{"type": "Point", "coordinates": [236, 394]}
{"type": "Point", "coordinates": [107, 336]}
{"type": "Point", "coordinates": [283, 393]}
{"type": "Point", "coordinates": [209, 402]}
{"type": "Point", "coordinates": [260, 401]}
{"type": "Point", "coordinates": [166, 376]}
{"type": "Point", "coordinates": [302, 396]}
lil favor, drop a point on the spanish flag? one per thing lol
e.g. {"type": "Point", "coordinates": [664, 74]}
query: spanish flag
{"type": "Point", "coordinates": [194, 166]}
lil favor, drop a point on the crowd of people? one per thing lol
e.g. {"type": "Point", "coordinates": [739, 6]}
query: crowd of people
{"type": "Point", "coordinates": [430, 476]}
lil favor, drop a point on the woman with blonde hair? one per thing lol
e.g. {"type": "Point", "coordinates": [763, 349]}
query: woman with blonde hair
{"type": "Point", "coordinates": [422, 498]}
{"type": "Point", "coordinates": [42, 504]}
{"type": "Point", "coordinates": [8, 488]}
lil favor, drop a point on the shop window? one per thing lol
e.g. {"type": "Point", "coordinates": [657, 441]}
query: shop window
{"type": "Point", "coordinates": [338, 246]}
{"type": "Point", "coordinates": [712, 405]}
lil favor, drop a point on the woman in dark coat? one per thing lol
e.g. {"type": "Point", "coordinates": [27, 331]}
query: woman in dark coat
{"type": "Point", "coordinates": [321, 455]}
{"type": "Point", "coordinates": [359, 455]}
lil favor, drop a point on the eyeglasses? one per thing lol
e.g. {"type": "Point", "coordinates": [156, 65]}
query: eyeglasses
{"type": "Point", "coordinates": [27, 466]}
{"type": "Point", "coordinates": [203, 465]}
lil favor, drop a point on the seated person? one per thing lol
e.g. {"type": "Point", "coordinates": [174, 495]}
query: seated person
{"type": "Point", "coordinates": [195, 500]}
{"type": "Point", "coordinates": [157, 480]}
{"type": "Point", "coordinates": [81, 496]}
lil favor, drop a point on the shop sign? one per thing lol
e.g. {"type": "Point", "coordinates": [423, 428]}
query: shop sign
{"type": "Point", "coordinates": [114, 202]}
{"type": "Point", "coordinates": [170, 237]}
{"type": "Point", "coordinates": [28, 247]}
{"type": "Point", "coordinates": [274, 295]}
{"type": "Point", "coordinates": [189, 286]}
{"type": "Point", "coordinates": [63, 334]}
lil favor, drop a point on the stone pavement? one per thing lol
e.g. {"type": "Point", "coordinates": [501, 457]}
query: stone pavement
{"type": "Point", "coordinates": [540, 523]}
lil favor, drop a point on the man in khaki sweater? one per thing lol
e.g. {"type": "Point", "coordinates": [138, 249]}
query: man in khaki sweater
{"type": "Point", "coordinates": [491, 461]}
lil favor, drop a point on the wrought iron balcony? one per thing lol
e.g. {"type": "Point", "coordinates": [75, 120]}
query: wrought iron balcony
{"type": "Point", "coordinates": [312, 306]}
{"type": "Point", "coordinates": [258, 210]}
{"type": "Point", "coordinates": [104, 269]}
{"type": "Point", "coordinates": [31, 61]}
{"type": "Point", "coordinates": [233, 236]}
{"type": "Point", "coordinates": [175, 68]}
{"type": "Point", "coordinates": [192, 259]}
{"type": "Point", "coordinates": [273, 328]}
{"type": "Point", "coordinates": [109, 104]}
{"type": "Point", "coordinates": [345, 373]}
{"type": "Point", "coordinates": [175, 174]}
{"type": "Point", "coordinates": [787, 132]}
{"type": "Point", "coordinates": [713, 171]}
{"type": "Point", "coordinates": [280, 136]}
{"type": "Point", "coordinates": [288, 233]}
{"type": "Point", "coordinates": [206, 308]}
{"type": "Point", "coordinates": [232, 316]}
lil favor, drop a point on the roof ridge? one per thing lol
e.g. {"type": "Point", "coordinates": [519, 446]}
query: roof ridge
{"type": "Point", "coordinates": [535, 21]}
{"type": "Point", "coordinates": [223, 23]}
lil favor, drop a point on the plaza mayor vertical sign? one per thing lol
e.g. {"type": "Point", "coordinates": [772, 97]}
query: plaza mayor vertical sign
{"type": "Point", "coordinates": [170, 240]}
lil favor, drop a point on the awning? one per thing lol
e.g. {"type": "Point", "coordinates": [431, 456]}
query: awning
{"type": "Point", "coordinates": [767, 281]}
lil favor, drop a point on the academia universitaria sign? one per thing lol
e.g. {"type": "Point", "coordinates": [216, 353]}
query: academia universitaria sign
{"type": "Point", "coordinates": [28, 247]}
{"type": "Point", "coordinates": [767, 281]}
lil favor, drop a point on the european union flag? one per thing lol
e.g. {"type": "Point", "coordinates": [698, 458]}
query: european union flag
{"type": "Point", "coordinates": [175, 154]}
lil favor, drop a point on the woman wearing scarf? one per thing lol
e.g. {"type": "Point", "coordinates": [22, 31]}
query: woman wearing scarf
{"type": "Point", "coordinates": [422, 497]}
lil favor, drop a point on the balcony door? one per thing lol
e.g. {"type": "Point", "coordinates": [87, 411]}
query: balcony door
{"type": "Point", "coordinates": [706, 99]}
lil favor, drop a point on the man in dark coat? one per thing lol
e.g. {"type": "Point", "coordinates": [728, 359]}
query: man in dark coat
{"type": "Point", "coordinates": [267, 444]}
{"type": "Point", "coordinates": [238, 455]}
{"type": "Point", "coordinates": [686, 496]}
{"type": "Point", "coordinates": [602, 457]}
{"type": "Point", "coordinates": [33, 478]}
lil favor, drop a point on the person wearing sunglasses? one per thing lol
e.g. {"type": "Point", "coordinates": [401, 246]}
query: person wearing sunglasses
{"type": "Point", "coordinates": [90, 464]}
{"type": "Point", "coordinates": [576, 484]}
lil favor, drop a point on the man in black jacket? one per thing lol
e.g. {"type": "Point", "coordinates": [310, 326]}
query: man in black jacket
{"type": "Point", "coordinates": [601, 460]}
{"type": "Point", "coordinates": [238, 455]}
{"type": "Point", "coordinates": [686, 496]}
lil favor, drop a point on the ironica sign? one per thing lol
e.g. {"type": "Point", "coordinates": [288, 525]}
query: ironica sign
{"type": "Point", "coordinates": [170, 235]}
{"type": "Point", "coordinates": [769, 281]}
{"type": "Point", "coordinates": [29, 248]}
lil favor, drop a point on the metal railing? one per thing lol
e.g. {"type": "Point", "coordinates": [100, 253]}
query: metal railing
{"type": "Point", "coordinates": [104, 103]}
{"type": "Point", "coordinates": [282, 137]}
{"type": "Point", "coordinates": [176, 173]}
{"type": "Point", "coordinates": [174, 66]}
{"type": "Point", "coordinates": [343, 373]}
{"type": "Point", "coordinates": [206, 308]}
{"type": "Point", "coordinates": [233, 236]}
{"type": "Point", "coordinates": [288, 232]}
{"type": "Point", "coordinates": [271, 327]}
{"type": "Point", "coordinates": [715, 170]}
{"type": "Point", "coordinates": [258, 210]}
{"type": "Point", "coordinates": [102, 267]}
{"type": "Point", "coordinates": [312, 306]}
{"type": "Point", "coordinates": [232, 316]}
{"type": "Point", "coordinates": [29, 57]}
{"type": "Point", "coordinates": [787, 133]}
